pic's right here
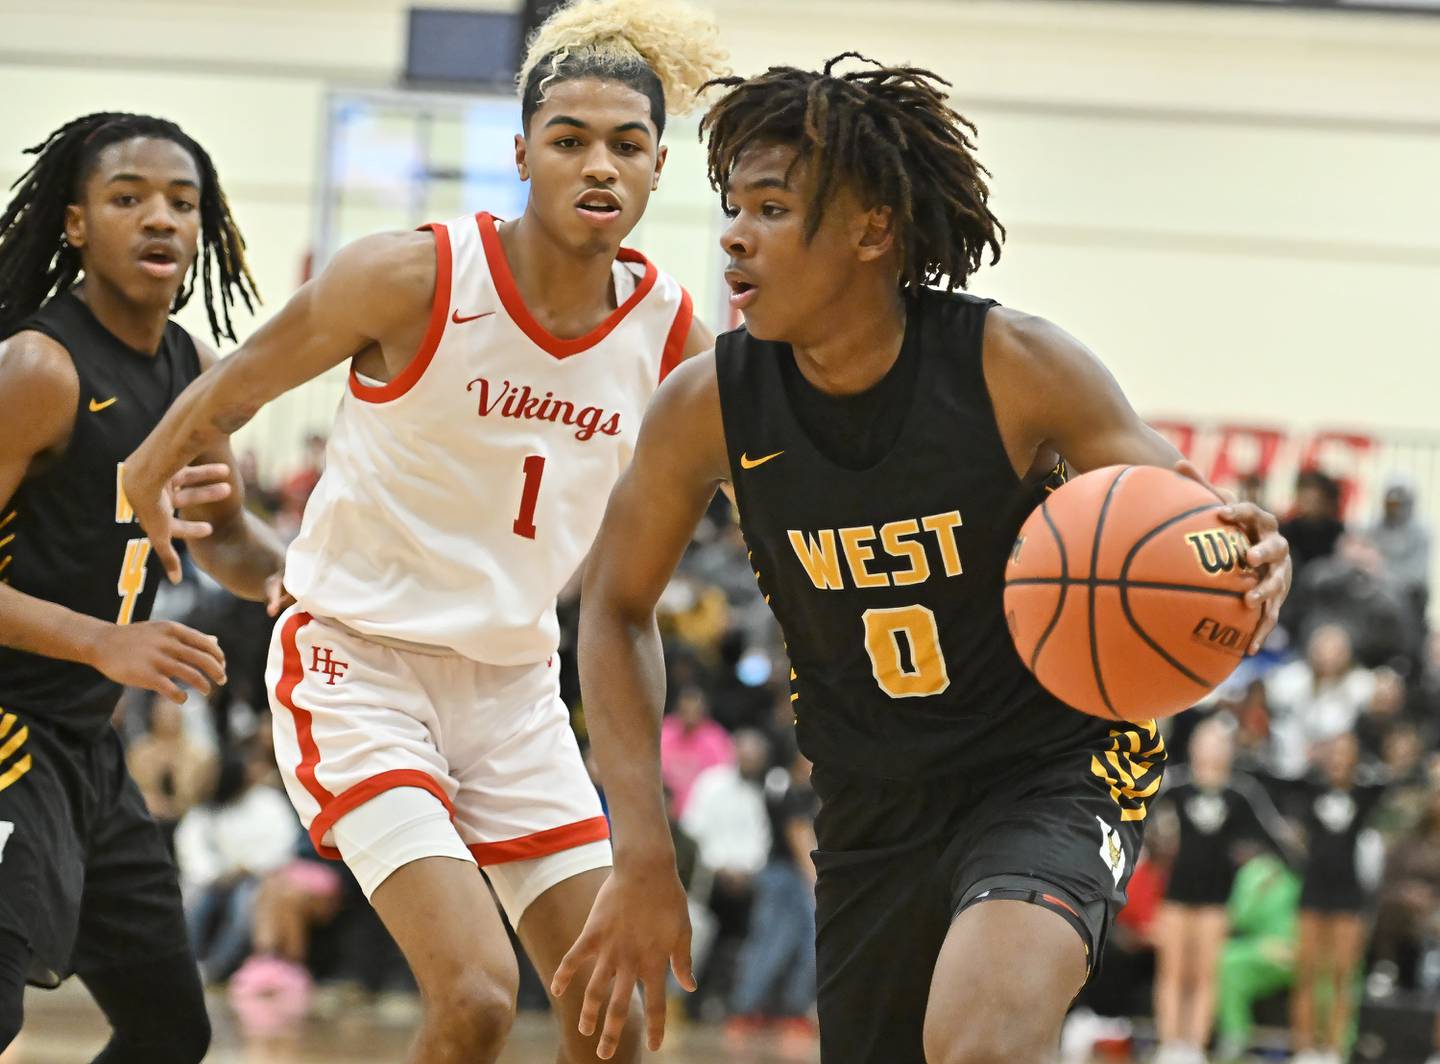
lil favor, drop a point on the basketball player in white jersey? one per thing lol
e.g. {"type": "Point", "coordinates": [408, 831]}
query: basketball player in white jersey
{"type": "Point", "coordinates": [499, 371]}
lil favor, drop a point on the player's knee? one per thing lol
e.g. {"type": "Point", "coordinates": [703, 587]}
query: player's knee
{"type": "Point", "coordinates": [989, 1036]}
{"type": "Point", "coordinates": [990, 1046]}
{"type": "Point", "coordinates": [474, 1013]}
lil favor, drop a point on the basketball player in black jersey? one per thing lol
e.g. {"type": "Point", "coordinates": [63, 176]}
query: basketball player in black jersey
{"type": "Point", "coordinates": [884, 440]}
{"type": "Point", "coordinates": [101, 242]}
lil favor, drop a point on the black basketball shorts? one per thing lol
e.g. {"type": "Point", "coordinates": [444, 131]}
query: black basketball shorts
{"type": "Point", "coordinates": [898, 861]}
{"type": "Point", "coordinates": [85, 878]}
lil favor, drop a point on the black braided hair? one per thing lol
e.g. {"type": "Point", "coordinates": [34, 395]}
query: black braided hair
{"type": "Point", "coordinates": [35, 261]}
{"type": "Point", "coordinates": [889, 133]}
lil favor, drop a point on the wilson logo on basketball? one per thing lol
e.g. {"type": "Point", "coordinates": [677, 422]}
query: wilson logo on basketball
{"type": "Point", "coordinates": [1219, 550]}
{"type": "Point", "coordinates": [523, 404]}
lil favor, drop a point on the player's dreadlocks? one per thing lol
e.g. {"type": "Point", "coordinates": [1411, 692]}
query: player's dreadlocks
{"type": "Point", "coordinates": [35, 260]}
{"type": "Point", "coordinates": [889, 133]}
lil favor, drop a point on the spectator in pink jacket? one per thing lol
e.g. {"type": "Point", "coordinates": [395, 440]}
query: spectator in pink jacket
{"type": "Point", "coordinates": [691, 742]}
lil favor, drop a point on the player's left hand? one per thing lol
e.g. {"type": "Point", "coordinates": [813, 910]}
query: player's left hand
{"type": "Point", "coordinates": [639, 923]}
{"type": "Point", "coordinates": [1269, 556]}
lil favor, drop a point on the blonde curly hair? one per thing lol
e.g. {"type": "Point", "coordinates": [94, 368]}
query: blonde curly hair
{"type": "Point", "coordinates": [664, 48]}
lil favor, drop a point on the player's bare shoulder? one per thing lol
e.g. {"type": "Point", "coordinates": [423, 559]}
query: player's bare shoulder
{"type": "Point", "coordinates": [1023, 349]}
{"type": "Point", "coordinates": [683, 425]}
{"type": "Point", "coordinates": [39, 388]}
{"type": "Point", "coordinates": [393, 271]}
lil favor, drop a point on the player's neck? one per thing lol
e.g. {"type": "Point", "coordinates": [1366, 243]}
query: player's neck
{"type": "Point", "coordinates": [567, 292]}
{"type": "Point", "coordinates": [138, 328]}
{"type": "Point", "coordinates": [854, 347]}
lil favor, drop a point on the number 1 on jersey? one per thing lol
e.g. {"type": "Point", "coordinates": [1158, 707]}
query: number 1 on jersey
{"type": "Point", "coordinates": [529, 495]}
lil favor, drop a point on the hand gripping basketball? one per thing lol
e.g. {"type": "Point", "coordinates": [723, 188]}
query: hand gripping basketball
{"type": "Point", "coordinates": [1132, 591]}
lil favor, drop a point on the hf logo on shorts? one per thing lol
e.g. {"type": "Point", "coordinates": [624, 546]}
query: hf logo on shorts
{"type": "Point", "coordinates": [1111, 850]}
{"type": "Point", "coordinates": [322, 661]}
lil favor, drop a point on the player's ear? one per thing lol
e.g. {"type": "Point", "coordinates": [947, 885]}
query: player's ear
{"type": "Point", "coordinates": [660, 157]}
{"type": "Point", "coordinates": [75, 225]}
{"type": "Point", "coordinates": [877, 233]}
{"type": "Point", "coordinates": [521, 166]}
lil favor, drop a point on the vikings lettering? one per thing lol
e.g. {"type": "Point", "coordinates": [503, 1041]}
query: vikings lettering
{"type": "Point", "coordinates": [523, 404]}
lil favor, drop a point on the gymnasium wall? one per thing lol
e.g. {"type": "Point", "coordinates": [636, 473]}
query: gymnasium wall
{"type": "Point", "coordinates": [1237, 209]}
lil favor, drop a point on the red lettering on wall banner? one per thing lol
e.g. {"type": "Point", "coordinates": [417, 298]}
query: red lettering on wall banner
{"type": "Point", "coordinates": [1228, 452]}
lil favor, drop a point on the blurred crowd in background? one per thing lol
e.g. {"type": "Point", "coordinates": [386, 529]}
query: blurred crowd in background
{"type": "Point", "coordinates": [1346, 692]}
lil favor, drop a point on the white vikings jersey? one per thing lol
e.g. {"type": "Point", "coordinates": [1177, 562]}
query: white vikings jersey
{"type": "Point", "coordinates": [459, 498]}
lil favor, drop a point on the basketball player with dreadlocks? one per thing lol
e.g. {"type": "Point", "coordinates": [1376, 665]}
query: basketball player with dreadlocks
{"type": "Point", "coordinates": [107, 235]}
{"type": "Point", "coordinates": [499, 371]}
{"type": "Point", "coordinates": [885, 436]}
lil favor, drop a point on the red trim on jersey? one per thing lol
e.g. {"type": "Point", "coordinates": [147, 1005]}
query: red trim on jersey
{"type": "Point", "coordinates": [542, 843]}
{"type": "Point", "coordinates": [1061, 903]}
{"type": "Point", "coordinates": [362, 792]}
{"type": "Point", "coordinates": [439, 310]}
{"type": "Point", "coordinates": [520, 314]}
{"type": "Point", "coordinates": [292, 673]}
{"type": "Point", "coordinates": [675, 340]}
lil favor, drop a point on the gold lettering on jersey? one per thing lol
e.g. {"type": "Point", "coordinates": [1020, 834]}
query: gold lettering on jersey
{"type": "Point", "coordinates": [819, 557]}
{"type": "Point", "coordinates": [899, 540]}
{"type": "Point", "coordinates": [944, 526]}
{"type": "Point", "coordinates": [524, 404]}
{"type": "Point", "coordinates": [893, 539]}
{"type": "Point", "coordinates": [123, 513]}
{"type": "Point", "coordinates": [856, 542]}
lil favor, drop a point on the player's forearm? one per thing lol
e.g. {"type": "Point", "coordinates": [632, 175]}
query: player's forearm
{"type": "Point", "coordinates": [215, 404]}
{"type": "Point", "coordinates": [622, 677]}
{"type": "Point", "coordinates": [242, 555]}
{"type": "Point", "coordinates": [46, 628]}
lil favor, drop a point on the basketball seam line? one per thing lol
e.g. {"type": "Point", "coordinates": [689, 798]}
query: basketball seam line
{"type": "Point", "coordinates": [1193, 677]}
{"type": "Point", "coordinates": [1064, 586]}
{"type": "Point", "coordinates": [1094, 562]}
{"type": "Point", "coordinates": [1143, 585]}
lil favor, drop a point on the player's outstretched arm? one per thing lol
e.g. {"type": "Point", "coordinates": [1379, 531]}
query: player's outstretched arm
{"type": "Point", "coordinates": [242, 552]}
{"type": "Point", "coordinates": [640, 926]}
{"type": "Point", "coordinates": [39, 390]}
{"type": "Point", "coordinates": [377, 291]}
{"type": "Point", "coordinates": [1053, 396]}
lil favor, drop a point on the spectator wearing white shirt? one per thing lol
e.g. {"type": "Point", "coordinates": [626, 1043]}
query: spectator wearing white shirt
{"type": "Point", "coordinates": [727, 817]}
{"type": "Point", "coordinates": [224, 847]}
{"type": "Point", "coordinates": [1315, 700]}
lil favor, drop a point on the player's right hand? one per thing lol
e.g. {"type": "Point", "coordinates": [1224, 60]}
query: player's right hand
{"type": "Point", "coordinates": [155, 505]}
{"type": "Point", "coordinates": [638, 928]}
{"type": "Point", "coordinates": [159, 656]}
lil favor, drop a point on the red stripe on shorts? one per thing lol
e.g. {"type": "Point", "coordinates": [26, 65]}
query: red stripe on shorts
{"type": "Point", "coordinates": [542, 843]}
{"type": "Point", "coordinates": [362, 792]}
{"type": "Point", "coordinates": [292, 674]}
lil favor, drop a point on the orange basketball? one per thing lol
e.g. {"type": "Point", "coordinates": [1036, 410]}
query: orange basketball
{"type": "Point", "coordinates": [1125, 593]}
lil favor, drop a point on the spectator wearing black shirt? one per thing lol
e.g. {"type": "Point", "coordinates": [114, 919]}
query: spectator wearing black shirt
{"type": "Point", "coordinates": [1314, 526]}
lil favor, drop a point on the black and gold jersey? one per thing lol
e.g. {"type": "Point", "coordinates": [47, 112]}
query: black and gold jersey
{"type": "Point", "coordinates": [885, 564]}
{"type": "Point", "coordinates": [68, 535]}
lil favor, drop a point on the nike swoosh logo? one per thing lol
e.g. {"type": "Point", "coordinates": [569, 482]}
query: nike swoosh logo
{"type": "Point", "coordinates": [747, 462]}
{"type": "Point", "coordinates": [95, 407]}
{"type": "Point", "coordinates": [458, 320]}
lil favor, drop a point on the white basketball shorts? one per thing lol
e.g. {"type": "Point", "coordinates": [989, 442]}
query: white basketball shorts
{"type": "Point", "coordinates": [356, 720]}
